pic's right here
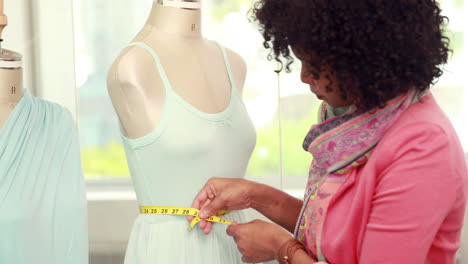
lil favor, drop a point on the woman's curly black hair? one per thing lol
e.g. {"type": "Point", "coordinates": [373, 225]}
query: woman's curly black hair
{"type": "Point", "coordinates": [378, 49]}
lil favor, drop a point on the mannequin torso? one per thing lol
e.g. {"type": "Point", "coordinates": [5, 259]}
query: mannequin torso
{"type": "Point", "coordinates": [194, 66]}
{"type": "Point", "coordinates": [11, 86]}
{"type": "Point", "coordinates": [40, 168]}
{"type": "Point", "coordinates": [183, 122]}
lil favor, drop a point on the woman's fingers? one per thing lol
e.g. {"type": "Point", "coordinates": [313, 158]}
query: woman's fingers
{"type": "Point", "coordinates": [220, 194]}
{"type": "Point", "coordinates": [205, 224]}
{"type": "Point", "coordinates": [212, 203]}
{"type": "Point", "coordinates": [231, 230]}
{"type": "Point", "coordinates": [208, 227]}
{"type": "Point", "coordinates": [203, 200]}
{"type": "Point", "coordinates": [202, 224]}
{"type": "Point", "coordinates": [199, 200]}
{"type": "Point", "coordinates": [246, 259]}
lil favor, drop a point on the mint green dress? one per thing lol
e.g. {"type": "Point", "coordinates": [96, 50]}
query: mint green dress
{"type": "Point", "coordinates": [170, 165]}
{"type": "Point", "coordinates": [43, 217]}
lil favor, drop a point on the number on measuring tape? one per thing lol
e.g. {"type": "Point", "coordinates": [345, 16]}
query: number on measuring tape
{"type": "Point", "coordinates": [172, 210]}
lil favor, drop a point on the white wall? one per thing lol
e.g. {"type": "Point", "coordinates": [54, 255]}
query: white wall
{"type": "Point", "coordinates": [54, 51]}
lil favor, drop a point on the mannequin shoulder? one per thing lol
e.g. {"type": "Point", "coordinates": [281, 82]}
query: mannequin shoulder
{"type": "Point", "coordinates": [136, 91]}
{"type": "Point", "coordinates": [130, 70]}
{"type": "Point", "coordinates": [238, 63]}
{"type": "Point", "coordinates": [239, 68]}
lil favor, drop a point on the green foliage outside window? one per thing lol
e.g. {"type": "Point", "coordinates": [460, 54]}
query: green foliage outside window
{"type": "Point", "coordinates": [109, 160]}
{"type": "Point", "coordinates": [458, 3]}
{"type": "Point", "coordinates": [457, 41]}
{"type": "Point", "coordinates": [296, 161]}
{"type": "Point", "coordinates": [105, 161]}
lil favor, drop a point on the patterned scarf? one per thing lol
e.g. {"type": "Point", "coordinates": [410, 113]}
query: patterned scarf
{"type": "Point", "coordinates": [340, 144]}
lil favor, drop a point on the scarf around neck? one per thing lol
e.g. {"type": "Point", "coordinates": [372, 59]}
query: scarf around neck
{"type": "Point", "coordinates": [341, 143]}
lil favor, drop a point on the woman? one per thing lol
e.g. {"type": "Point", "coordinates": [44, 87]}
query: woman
{"type": "Point", "coordinates": [388, 180]}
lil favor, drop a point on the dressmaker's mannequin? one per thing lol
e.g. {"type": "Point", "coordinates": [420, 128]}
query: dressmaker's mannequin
{"type": "Point", "coordinates": [43, 217]}
{"type": "Point", "coordinates": [11, 91]}
{"type": "Point", "coordinates": [11, 74]}
{"type": "Point", "coordinates": [194, 66]}
{"type": "Point", "coordinates": [178, 100]}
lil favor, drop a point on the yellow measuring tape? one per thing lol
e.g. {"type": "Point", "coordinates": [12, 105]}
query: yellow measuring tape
{"type": "Point", "coordinates": [174, 210]}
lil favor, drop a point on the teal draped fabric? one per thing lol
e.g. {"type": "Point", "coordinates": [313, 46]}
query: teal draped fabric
{"type": "Point", "coordinates": [43, 216]}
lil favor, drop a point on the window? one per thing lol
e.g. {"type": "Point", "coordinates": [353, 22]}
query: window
{"type": "Point", "coordinates": [100, 36]}
{"type": "Point", "coordinates": [101, 32]}
{"type": "Point", "coordinates": [102, 29]}
{"type": "Point", "coordinates": [68, 47]}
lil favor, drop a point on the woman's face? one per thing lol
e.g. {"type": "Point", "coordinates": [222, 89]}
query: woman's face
{"type": "Point", "coordinates": [319, 80]}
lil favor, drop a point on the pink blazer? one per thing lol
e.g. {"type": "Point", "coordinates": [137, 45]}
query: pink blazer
{"type": "Point", "coordinates": [406, 204]}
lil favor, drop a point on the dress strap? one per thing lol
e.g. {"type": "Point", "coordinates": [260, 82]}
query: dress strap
{"type": "Point", "coordinates": [159, 66]}
{"type": "Point", "coordinates": [228, 67]}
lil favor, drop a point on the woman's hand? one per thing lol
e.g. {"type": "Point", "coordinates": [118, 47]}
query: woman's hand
{"type": "Point", "coordinates": [258, 240]}
{"type": "Point", "coordinates": [222, 193]}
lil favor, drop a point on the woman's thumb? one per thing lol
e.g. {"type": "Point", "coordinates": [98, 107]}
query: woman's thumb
{"type": "Point", "coordinates": [210, 208]}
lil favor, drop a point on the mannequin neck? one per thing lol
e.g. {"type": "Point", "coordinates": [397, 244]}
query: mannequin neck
{"type": "Point", "coordinates": [11, 86]}
{"type": "Point", "coordinates": [185, 23]}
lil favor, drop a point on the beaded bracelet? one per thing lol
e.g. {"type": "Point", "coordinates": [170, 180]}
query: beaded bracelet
{"type": "Point", "coordinates": [287, 250]}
